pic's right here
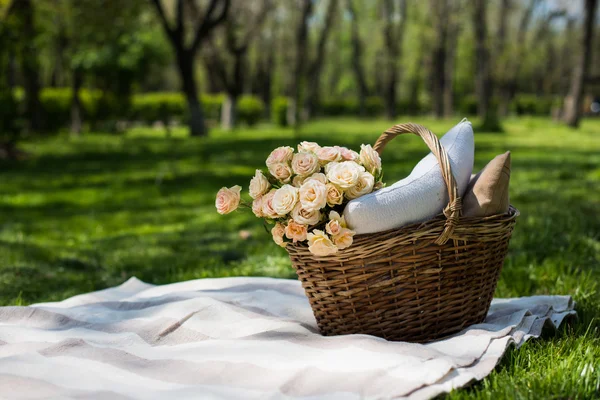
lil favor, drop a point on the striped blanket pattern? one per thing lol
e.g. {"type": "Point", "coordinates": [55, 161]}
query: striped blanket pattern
{"type": "Point", "coordinates": [238, 338]}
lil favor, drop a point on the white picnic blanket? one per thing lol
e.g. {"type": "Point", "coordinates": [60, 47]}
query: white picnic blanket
{"type": "Point", "coordinates": [237, 338]}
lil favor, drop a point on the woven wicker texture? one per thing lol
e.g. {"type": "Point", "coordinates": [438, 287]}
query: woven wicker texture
{"type": "Point", "coordinates": [417, 283]}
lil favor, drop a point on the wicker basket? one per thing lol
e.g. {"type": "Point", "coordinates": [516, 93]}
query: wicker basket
{"type": "Point", "coordinates": [417, 283]}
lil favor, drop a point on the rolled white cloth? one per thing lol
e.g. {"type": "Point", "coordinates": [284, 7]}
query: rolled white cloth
{"type": "Point", "coordinates": [420, 196]}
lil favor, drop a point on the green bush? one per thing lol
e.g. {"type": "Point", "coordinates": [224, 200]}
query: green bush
{"type": "Point", "coordinates": [151, 107]}
{"type": "Point", "coordinates": [165, 106]}
{"type": "Point", "coordinates": [279, 107]}
{"type": "Point", "coordinates": [529, 104]}
{"type": "Point", "coordinates": [90, 102]}
{"type": "Point", "coordinates": [339, 107]}
{"type": "Point", "coordinates": [96, 106]}
{"type": "Point", "coordinates": [250, 109]}
{"type": "Point", "coordinates": [409, 107]}
{"type": "Point", "coordinates": [374, 106]}
{"type": "Point", "coordinates": [211, 105]}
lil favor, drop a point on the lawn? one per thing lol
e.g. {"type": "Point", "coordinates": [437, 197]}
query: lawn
{"type": "Point", "coordinates": [83, 214]}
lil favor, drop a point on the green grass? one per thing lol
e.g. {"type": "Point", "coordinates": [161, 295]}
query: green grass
{"type": "Point", "coordinates": [84, 214]}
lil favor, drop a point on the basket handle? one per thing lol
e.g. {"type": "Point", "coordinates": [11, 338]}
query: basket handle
{"type": "Point", "coordinates": [452, 211]}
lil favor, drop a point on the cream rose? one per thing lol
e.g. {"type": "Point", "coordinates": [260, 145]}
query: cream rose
{"type": "Point", "coordinates": [285, 199]}
{"type": "Point", "coordinates": [328, 167]}
{"type": "Point", "coordinates": [363, 186]}
{"type": "Point", "coordinates": [298, 180]}
{"type": "Point", "coordinates": [329, 154]}
{"type": "Point", "coordinates": [319, 243]}
{"type": "Point", "coordinates": [344, 238]}
{"type": "Point", "coordinates": [257, 207]}
{"type": "Point", "coordinates": [318, 177]}
{"type": "Point", "coordinates": [281, 155]}
{"type": "Point", "coordinates": [304, 217]}
{"type": "Point", "coordinates": [228, 200]}
{"type": "Point", "coordinates": [308, 146]}
{"type": "Point", "coordinates": [282, 172]}
{"type": "Point", "coordinates": [305, 163]}
{"type": "Point", "coordinates": [278, 231]}
{"type": "Point", "coordinates": [267, 205]}
{"type": "Point", "coordinates": [348, 155]}
{"type": "Point", "coordinates": [333, 227]}
{"type": "Point", "coordinates": [370, 159]}
{"type": "Point", "coordinates": [295, 231]}
{"type": "Point", "coordinates": [345, 174]}
{"type": "Point", "coordinates": [334, 216]}
{"type": "Point", "coordinates": [313, 195]}
{"type": "Point", "coordinates": [334, 195]}
{"type": "Point", "coordinates": [259, 185]}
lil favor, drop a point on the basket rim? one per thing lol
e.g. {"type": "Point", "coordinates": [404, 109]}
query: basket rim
{"type": "Point", "coordinates": [512, 214]}
{"type": "Point", "coordinates": [430, 230]}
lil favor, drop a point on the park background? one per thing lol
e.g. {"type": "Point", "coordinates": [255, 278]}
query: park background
{"type": "Point", "coordinates": [120, 120]}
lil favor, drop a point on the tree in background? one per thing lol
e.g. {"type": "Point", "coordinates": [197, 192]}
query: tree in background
{"type": "Point", "coordinates": [573, 103]}
{"type": "Point", "coordinates": [315, 67]}
{"type": "Point", "coordinates": [395, 17]}
{"type": "Point", "coordinates": [483, 76]}
{"type": "Point", "coordinates": [185, 53]}
{"type": "Point", "coordinates": [453, 30]}
{"type": "Point", "coordinates": [231, 66]}
{"type": "Point", "coordinates": [510, 65]}
{"type": "Point", "coordinates": [440, 10]}
{"type": "Point", "coordinates": [298, 77]}
{"type": "Point", "coordinates": [9, 129]}
{"type": "Point", "coordinates": [357, 58]}
{"type": "Point", "coordinates": [25, 23]}
{"type": "Point", "coordinates": [112, 60]}
{"type": "Point", "coordinates": [262, 79]}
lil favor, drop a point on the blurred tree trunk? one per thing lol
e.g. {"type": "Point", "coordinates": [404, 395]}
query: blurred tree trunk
{"type": "Point", "coordinates": [416, 83]}
{"type": "Point", "coordinates": [452, 38]}
{"type": "Point", "coordinates": [76, 111]}
{"type": "Point", "coordinates": [337, 69]}
{"type": "Point", "coordinates": [297, 81]}
{"type": "Point", "coordinates": [212, 75]}
{"type": "Point", "coordinates": [24, 11]}
{"type": "Point", "coordinates": [508, 87]}
{"type": "Point", "coordinates": [232, 71]}
{"type": "Point", "coordinates": [357, 62]}
{"type": "Point", "coordinates": [11, 76]}
{"type": "Point", "coordinates": [262, 83]}
{"type": "Point", "coordinates": [440, 10]}
{"type": "Point", "coordinates": [483, 75]}
{"type": "Point", "coordinates": [565, 59]}
{"type": "Point", "coordinates": [501, 59]}
{"type": "Point", "coordinates": [186, 54]}
{"type": "Point", "coordinates": [312, 100]}
{"type": "Point", "coordinates": [234, 86]}
{"type": "Point", "coordinates": [573, 103]}
{"type": "Point", "coordinates": [379, 79]}
{"type": "Point", "coordinates": [544, 39]}
{"type": "Point", "coordinates": [186, 67]}
{"type": "Point", "coordinates": [393, 35]}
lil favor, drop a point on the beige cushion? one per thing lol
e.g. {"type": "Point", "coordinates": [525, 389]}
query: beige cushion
{"type": "Point", "coordinates": [487, 193]}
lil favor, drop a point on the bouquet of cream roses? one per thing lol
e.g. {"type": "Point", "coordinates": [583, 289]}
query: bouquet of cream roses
{"type": "Point", "coordinates": [303, 194]}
